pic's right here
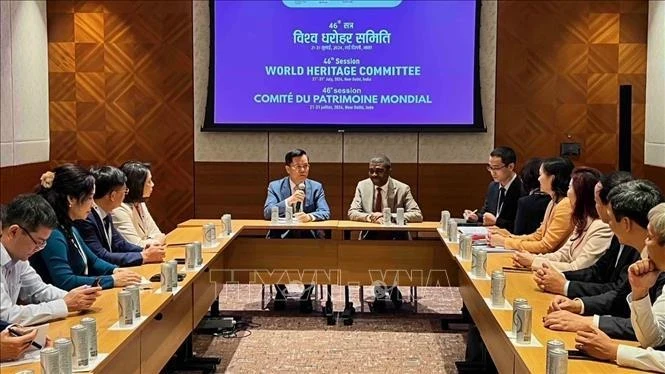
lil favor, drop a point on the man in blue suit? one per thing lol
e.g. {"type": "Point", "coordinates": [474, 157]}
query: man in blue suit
{"type": "Point", "coordinates": [98, 231]}
{"type": "Point", "coordinates": [309, 204]}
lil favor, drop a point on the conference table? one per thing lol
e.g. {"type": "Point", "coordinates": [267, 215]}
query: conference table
{"type": "Point", "coordinates": [493, 323]}
{"type": "Point", "coordinates": [246, 256]}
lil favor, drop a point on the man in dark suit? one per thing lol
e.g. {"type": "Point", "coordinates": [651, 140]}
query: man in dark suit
{"type": "Point", "coordinates": [610, 271]}
{"type": "Point", "coordinates": [309, 204]}
{"type": "Point", "coordinates": [98, 231]}
{"type": "Point", "coordinates": [630, 203]}
{"type": "Point", "coordinates": [503, 192]}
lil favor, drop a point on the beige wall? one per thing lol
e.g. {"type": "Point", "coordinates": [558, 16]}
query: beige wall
{"type": "Point", "coordinates": [348, 147]}
{"type": "Point", "coordinates": [24, 126]}
{"type": "Point", "coordinates": [654, 145]}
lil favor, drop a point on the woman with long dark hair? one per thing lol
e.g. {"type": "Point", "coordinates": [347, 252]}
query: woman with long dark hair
{"type": "Point", "coordinates": [556, 227]}
{"type": "Point", "coordinates": [66, 261]}
{"type": "Point", "coordinates": [132, 218]}
{"type": "Point", "coordinates": [591, 236]}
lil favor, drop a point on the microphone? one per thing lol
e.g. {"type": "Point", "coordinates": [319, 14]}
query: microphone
{"type": "Point", "coordinates": [301, 187]}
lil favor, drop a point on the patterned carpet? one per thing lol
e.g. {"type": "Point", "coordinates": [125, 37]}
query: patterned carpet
{"type": "Point", "coordinates": [391, 342]}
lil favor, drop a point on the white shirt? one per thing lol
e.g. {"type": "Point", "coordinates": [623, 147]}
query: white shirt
{"type": "Point", "coordinates": [618, 255]}
{"type": "Point", "coordinates": [640, 358]}
{"type": "Point", "coordinates": [101, 213]}
{"type": "Point", "coordinates": [293, 190]}
{"type": "Point", "coordinates": [19, 281]}
{"type": "Point", "coordinates": [648, 320]}
{"type": "Point", "coordinates": [649, 325]}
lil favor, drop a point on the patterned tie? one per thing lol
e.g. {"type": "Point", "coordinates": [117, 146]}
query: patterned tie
{"type": "Point", "coordinates": [378, 203]}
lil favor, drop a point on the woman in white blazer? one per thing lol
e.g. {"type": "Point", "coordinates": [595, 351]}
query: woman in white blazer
{"type": "Point", "coordinates": [591, 236]}
{"type": "Point", "coordinates": [132, 219]}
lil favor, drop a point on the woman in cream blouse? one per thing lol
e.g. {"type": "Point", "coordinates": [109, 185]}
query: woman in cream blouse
{"type": "Point", "coordinates": [590, 237]}
{"type": "Point", "coordinates": [132, 218]}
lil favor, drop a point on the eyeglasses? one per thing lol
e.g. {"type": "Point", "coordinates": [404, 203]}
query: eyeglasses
{"type": "Point", "coordinates": [123, 190]}
{"type": "Point", "coordinates": [300, 167]}
{"type": "Point", "coordinates": [494, 168]}
{"type": "Point", "coordinates": [39, 245]}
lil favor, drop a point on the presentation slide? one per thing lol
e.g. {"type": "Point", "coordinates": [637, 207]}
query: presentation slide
{"type": "Point", "coordinates": [344, 62]}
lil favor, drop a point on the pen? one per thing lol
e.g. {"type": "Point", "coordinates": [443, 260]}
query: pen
{"type": "Point", "coordinates": [177, 244]}
{"type": "Point", "coordinates": [516, 270]}
{"type": "Point", "coordinates": [17, 334]}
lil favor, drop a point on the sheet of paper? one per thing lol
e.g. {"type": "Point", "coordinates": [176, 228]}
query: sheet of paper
{"type": "Point", "coordinates": [461, 259]}
{"type": "Point", "coordinates": [212, 245]}
{"type": "Point", "coordinates": [471, 276]}
{"type": "Point", "coordinates": [92, 364]}
{"type": "Point", "coordinates": [496, 249]}
{"type": "Point", "coordinates": [27, 358]}
{"type": "Point", "coordinates": [175, 290]}
{"type": "Point", "coordinates": [137, 322]}
{"type": "Point", "coordinates": [41, 334]}
{"type": "Point", "coordinates": [473, 230]}
{"type": "Point", "coordinates": [196, 268]}
{"type": "Point", "coordinates": [506, 305]}
{"type": "Point", "coordinates": [145, 284]}
{"type": "Point", "coordinates": [533, 343]}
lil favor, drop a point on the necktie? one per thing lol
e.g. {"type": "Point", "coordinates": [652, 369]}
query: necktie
{"type": "Point", "coordinates": [297, 207]}
{"type": "Point", "coordinates": [502, 196]}
{"type": "Point", "coordinates": [378, 204]}
{"type": "Point", "coordinates": [107, 230]}
{"type": "Point", "coordinates": [107, 223]}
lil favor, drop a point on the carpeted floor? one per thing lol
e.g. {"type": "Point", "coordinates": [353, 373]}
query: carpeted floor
{"type": "Point", "coordinates": [287, 341]}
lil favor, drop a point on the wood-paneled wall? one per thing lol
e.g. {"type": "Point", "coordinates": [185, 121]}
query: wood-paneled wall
{"type": "Point", "coordinates": [559, 67]}
{"type": "Point", "coordinates": [120, 77]}
{"type": "Point", "coordinates": [121, 88]}
{"type": "Point", "coordinates": [20, 179]}
{"type": "Point", "coordinates": [240, 188]}
{"type": "Point", "coordinates": [655, 174]}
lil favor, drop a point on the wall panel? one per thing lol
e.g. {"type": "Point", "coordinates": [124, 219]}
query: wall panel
{"type": "Point", "coordinates": [121, 87]}
{"type": "Point", "coordinates": [20, 179]}
{"type": "Point", "coordinates": [655, 174]}
{"type": "Point", "coordinates": [240, 188]}
{"type": "Point", "coordinates": [24, 117]}
{"type": "Point", "coordinates": [559, 67]}
{"type": "Point", "coordinates": [235, 188]}
{"type": "Point", "coordinates": [655, 112]}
